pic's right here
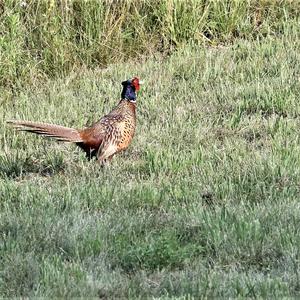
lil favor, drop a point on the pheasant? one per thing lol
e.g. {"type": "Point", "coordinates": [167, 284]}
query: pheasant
{"type": "Point", "coordinates": [110, 135]}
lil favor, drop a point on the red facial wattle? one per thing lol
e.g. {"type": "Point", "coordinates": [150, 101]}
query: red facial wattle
{"type": "Point", "coordinates": [135, 82]}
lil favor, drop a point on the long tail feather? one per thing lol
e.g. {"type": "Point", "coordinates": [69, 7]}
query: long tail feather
{"type": "Point", "coordinates": [57, 132]}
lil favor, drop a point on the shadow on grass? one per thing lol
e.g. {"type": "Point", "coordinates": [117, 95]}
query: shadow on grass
{"type": "Point", "coordinates": [14, 166]}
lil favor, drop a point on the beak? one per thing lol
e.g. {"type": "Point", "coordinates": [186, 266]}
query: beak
{"type": "Point", "coordinates": [141, 82]}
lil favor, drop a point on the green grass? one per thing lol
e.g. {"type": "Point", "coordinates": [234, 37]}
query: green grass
{"type": "Point", "coordinates": [204, 203]}
{"type": "Point", "coordinates": [53, 38]}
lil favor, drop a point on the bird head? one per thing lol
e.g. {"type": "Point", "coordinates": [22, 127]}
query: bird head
{"type": "Point", "coordinates": [130, 88]}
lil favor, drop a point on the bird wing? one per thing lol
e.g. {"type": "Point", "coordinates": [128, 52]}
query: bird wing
{"type": "Point", "coordinates": [113, 136]}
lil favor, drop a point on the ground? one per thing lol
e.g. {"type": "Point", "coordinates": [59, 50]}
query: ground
{"type": "Point", "coordinates": [205, 202]}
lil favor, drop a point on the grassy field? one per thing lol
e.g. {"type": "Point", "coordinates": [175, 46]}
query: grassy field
{"type": "Point", "coordinates": [41, 38]}
{"type": "Point", "coordinates": [204, 203]}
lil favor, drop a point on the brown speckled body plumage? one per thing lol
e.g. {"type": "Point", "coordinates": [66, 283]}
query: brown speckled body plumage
{"type": "Point", "coordinates": [110, 135]}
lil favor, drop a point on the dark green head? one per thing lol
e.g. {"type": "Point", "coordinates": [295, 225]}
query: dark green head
{"type": "Point", "coordinates": [130, 88]}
